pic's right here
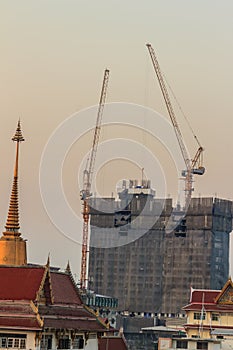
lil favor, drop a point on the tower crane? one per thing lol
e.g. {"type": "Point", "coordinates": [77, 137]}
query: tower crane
{"type": "Point", "coordinates": [193, 166]}
{"type": "Point", "coordinates": [87, 180]}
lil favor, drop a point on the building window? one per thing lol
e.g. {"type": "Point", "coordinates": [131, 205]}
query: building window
{"type": "Point", "coordinates": [16, 343]}
{"type": "Point", "coordinates": [199, 315]}
{"type": "Point", "coordinates": [202, 345]}
{"type": "Point", "coordinates": [215, 317]}
{"type": "Point", "coordinates": [78, 342]}
{"type": "Point", "coordinates": [22, 343]}
{"type": "Point", "coordinates": [10, 342]}
{"type": "Point", "coordinates": [13, 341]}
{"type": "Point", "coordinates": [46, 342]}
{"type": "Point", "coordinates": [182, 344]}
{"type": "Point", "coordinates": [64, 343]}
{"type": "Point", "coordinates": [3, 342]}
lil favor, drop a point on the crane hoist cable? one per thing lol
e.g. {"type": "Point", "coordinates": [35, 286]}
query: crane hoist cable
{"type": "Point", "coordinates": [181, 110]}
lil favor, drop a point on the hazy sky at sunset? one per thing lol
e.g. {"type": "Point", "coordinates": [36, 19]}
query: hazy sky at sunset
{"type": "Point", "coordinates": [53, 54]}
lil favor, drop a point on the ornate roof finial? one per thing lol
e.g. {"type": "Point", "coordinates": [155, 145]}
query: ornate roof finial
{"type": "Point", "coordinates": [12, 224]}
{"type": "Point", "coordinates": [48, 260]}
{"type": "Point", "coordinates": [68, 269]}
{"type": "Point", "coordinates": [18, 134]}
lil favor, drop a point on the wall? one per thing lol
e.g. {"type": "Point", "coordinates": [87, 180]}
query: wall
{"type": "Point", "coordinates": [151, 270]}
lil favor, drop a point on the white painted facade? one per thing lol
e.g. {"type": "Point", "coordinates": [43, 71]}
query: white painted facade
{"type": "Point", "coordinates": [34, 340]}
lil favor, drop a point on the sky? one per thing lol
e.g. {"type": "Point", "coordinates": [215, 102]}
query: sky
{"type": "Point", "coordinates": [53, 55]}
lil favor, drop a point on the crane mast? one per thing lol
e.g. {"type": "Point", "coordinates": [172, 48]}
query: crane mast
{"type": "Point", "coordinates": [190, 164]}
{"type": "Point", "coordinates": [87, 180]}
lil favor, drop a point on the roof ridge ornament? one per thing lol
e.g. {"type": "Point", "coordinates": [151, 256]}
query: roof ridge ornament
{"type": "Point", "coordinates": [48, 261]}
{"type": "Point", "coordinates": [68, 269]}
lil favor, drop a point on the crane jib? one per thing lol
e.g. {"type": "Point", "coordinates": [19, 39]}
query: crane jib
{"type": "Point", "coordinates": [193, 167]}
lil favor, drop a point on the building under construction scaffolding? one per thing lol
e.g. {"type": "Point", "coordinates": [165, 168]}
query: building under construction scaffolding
{"type": "Point", "coordinates": [140, 256]}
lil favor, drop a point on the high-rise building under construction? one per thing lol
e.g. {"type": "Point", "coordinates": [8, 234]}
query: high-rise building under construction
{"type": "Point", "coordinates": [138, 255]}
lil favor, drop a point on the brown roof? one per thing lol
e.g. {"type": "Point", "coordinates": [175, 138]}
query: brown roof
{"type": "Point", "coordinates": [17, 307]}
{"type": "Point", "coordinates": [63, 289]}
{"type": "Point", "coordinates": [21, 286]}
{"type": "Point", "coordinates": [113, 343]}
{"type": "Point", "coordinates": [19, 315]}
{"type": "Point", "coordinates": [19, 323]}
{"type": "Point", "coordinates": [75, 311]}
{"type": "Point", "coordinates": [72, 317]}
{"type": "Point", "coordinates": [20, 283]}
{"type": "Point", "coordinates": [77, 324]}
{"type": "Point", "coordinates": [23, 283]}
{"type": "Point", "coordinates": [212, 300]}
{"type": "Point", "coordinates": [200, 295]}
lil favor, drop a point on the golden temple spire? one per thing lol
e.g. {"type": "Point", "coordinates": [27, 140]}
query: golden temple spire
{"type": "Point", "coordinates": [12, 224]}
